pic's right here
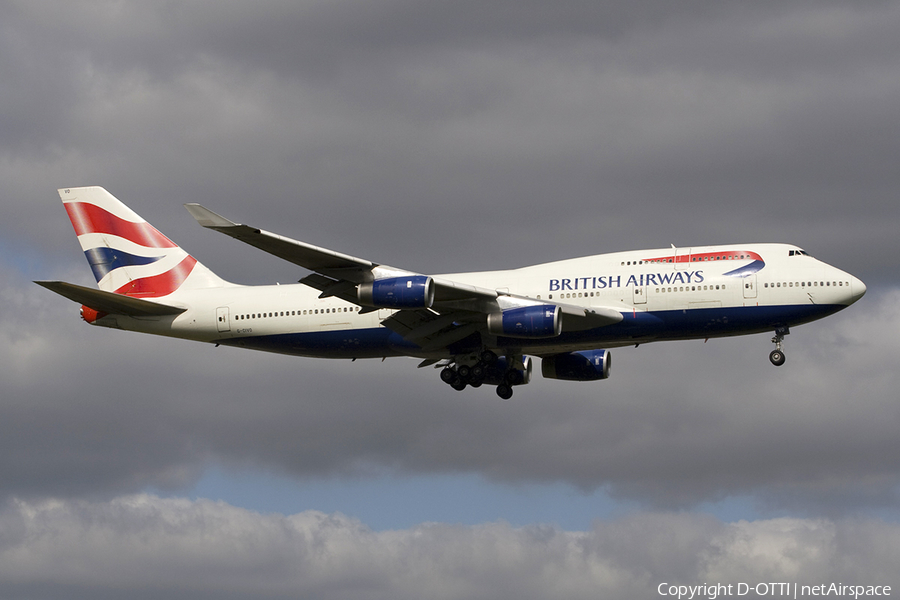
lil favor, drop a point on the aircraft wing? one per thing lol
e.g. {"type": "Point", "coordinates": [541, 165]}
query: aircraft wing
{"type": "Point", "coordinates": [320, 260]}
{"type": "Point", "coordinates": [108, 302]}
{"type": "Point", "coordinates": [458, 309]}
{"type": "Point", "coordinates": [335, 273]}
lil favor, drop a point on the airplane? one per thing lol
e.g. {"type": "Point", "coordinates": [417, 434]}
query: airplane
{"type": "Point", "coordinates": [477, 328]}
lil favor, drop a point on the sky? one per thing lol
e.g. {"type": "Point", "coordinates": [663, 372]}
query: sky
{"type": "Point", "coordinates": [443, 137]}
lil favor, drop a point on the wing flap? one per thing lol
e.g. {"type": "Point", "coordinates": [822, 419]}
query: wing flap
{"type": "Point", "coordinates": [578, 318]}
{"type": "Point", "coordinates": [446, 290]}
{"type": "Point", "coordinates": [108, 302]}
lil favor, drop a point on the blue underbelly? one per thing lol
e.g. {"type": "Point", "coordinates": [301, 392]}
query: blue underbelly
{"type": "Point", "coordinates": [636, 327]}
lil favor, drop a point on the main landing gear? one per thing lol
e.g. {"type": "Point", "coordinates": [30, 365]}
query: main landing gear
{"type": "Point", "coordinates": [488, 368]}
{"type": "Point", "coordinates": [777, 355]}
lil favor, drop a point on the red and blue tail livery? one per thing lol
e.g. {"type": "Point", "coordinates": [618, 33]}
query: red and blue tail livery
{"type": "Point", "coordinates": [126, 253]}
{"type": "Point", "coordinates": [477, 328]}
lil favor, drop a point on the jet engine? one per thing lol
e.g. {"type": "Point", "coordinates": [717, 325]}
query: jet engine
{"type": "Point", "coordinates": [541, 321]}
{"type": "Point", "coordinates": [413, 291]}
{"type": "Point", "coordinates": [584, 365]}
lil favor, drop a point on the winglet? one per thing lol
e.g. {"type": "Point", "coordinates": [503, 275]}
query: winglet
{"type": "Point", "coordinates": [208, 218]}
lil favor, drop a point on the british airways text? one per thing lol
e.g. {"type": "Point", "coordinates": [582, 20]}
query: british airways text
{"type": "Point", "coordinates": [615, 281]}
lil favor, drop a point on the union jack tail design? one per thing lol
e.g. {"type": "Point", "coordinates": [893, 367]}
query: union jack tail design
{"type": "Point", "coordinates": [126, 253]}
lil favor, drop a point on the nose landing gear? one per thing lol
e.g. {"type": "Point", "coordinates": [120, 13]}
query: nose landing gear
{"type": "Point", "coordinates": [776, 356]}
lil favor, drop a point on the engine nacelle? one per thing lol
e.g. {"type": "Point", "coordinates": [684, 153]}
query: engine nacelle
{"type": "Point", "coordinates": [413, 291]}
{"type": "Point", "coordinates": [584, 365]}
{"type": "Point", "coordinates": [540, 321]}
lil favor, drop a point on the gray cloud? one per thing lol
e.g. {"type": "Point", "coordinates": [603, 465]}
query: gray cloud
{"type": "Point", "coordinates": [444, 137]}
{"type": "Point", "coordinates": [693, 123]}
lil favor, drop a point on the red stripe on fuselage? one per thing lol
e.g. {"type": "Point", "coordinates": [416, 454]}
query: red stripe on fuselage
{"type": "Point", "coordinates": [708, 256]}
{"type": "Point", "coordinates": [89, 218]}
{"type": "Point", "coordinates": [162, 284]}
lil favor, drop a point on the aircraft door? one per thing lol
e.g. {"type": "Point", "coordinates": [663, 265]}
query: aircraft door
{"type": "Point", "coordinates": [750, 286]}
{"type": "Point", "coordinates": [639, 294]}
{"type": "Point", "coordinates": [682, 259]}
{"type": "Point", "coordinates": [222, 321]}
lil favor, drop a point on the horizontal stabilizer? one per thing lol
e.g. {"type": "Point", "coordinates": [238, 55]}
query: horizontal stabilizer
{"type": "Point", "coordinates": [108, 302]}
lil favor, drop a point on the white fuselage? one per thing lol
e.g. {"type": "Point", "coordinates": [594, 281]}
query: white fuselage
{"type": "Point", "coordinates": [663, 294]}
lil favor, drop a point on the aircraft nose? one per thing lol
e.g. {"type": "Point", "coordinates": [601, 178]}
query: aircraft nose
{"type": "Point", "coordinates": [857, 289]}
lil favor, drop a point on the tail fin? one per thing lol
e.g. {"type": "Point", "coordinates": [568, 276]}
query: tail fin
{"type": "Point", "coordinates": [126, 253]}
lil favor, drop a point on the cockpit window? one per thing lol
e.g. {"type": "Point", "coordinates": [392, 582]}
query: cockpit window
{"type": "Point", "coordinates": [797, 253]}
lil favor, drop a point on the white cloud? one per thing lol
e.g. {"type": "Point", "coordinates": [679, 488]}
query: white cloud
{"type": "Point", "coordinates": [149, 546]}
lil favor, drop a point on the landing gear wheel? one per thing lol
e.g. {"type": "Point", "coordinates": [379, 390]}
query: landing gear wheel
{"type": "Point", "coordinates": [514, 377]}
{"type": "Point", "coordinates": [777, 357]}
{"type": "Point", "coordinates": [504, 391]}
{"type": "Point", "coordinates": [488, 357]}
{"type": "Point", "coordinates": [464, 371]}
{"type": "Point", "coordinates": [447, 375]}
{"type": "Point", "coordinates": [477, 372]}
{"type": "Point", "coordinates": [458, 384]}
